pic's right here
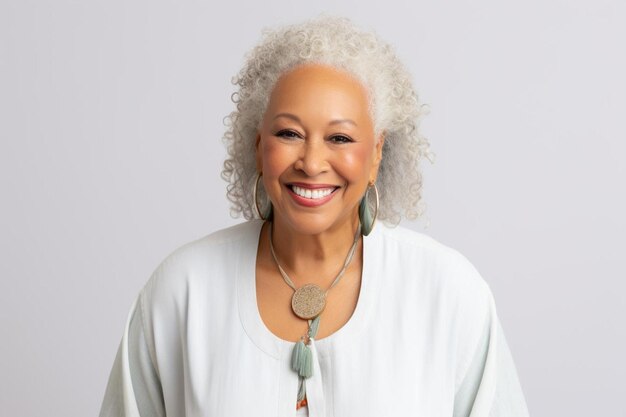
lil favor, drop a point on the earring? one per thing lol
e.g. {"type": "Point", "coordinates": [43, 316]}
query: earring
{"type": "Point", "coordinates": [263, 215]}
{"type": "Point", "coordinates": [365, 216]}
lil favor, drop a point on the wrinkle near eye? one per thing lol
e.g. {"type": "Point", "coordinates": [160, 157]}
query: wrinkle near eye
{"type": "Point", "coordinates": [287, 133]}
{"type": "Point", "coordinates": [341, 139]}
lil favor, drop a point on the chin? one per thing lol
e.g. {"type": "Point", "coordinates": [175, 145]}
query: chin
{"type": "Point", "coordinates": [308, 227]}
{"type": "Point", "coordinates": [311, 224]}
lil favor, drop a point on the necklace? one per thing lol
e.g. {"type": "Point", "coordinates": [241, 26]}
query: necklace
{"type": "Point", "coordinates": [308, 302]}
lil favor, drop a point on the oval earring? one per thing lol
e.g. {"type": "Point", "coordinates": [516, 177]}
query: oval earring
{"type": "Point", "coordinates": [261, 214]}
{"type": "Point", "coordinates": [365, 215]}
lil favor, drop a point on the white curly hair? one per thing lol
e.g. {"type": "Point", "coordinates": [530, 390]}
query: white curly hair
{"type": "Point", "coordinates": [394, 107]}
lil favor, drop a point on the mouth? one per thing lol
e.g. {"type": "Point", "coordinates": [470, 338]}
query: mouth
{"type": "Point", "coordinates": [311, 195]}
{"type": "Point", "coordinates": [312, 192]}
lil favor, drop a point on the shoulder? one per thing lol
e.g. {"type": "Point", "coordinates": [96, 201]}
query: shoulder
{"type": "Point", "coordinates": [415, 249]}
{"type": "Point", "coordinates": [443, 271]}
{"type": "Point", "coordinates": [211, 246]}
{"type": "Point", "coordinates": [220, 239]}
{"type": "Point", "coordinates": [203, 261]}
{"type": "Point", "coordinates": [409, 240]}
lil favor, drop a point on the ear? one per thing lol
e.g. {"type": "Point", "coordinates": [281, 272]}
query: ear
{"type": "Point", "coordinates": [258, 156]}
{"type": "Point", "coordinates": [379, 147]}
{"type": "Point", "coordinates": [378, 157]}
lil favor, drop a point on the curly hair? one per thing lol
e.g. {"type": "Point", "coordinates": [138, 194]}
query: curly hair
{"type": "Point", "coordinates": [394, 108]}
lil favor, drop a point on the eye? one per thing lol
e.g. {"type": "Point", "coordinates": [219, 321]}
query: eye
{"type": "Point", "coordinates": [287, 134]}
{"type": "Point", "coordinates": [340, 139]}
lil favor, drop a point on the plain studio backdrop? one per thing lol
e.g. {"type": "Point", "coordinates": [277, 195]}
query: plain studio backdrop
{"type": "Point", "coordinates": [111, 119]}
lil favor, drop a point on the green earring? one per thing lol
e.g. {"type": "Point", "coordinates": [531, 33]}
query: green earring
{"type": "Point", "coordinates": [365, 215]}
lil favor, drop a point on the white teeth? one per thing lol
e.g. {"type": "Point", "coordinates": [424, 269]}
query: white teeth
{"type": "Point", "coordinates": [312, 194]}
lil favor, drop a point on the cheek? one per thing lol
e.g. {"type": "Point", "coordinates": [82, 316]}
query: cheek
{"type": "Point", "coordinates": [276, 159]}
{"type": "Point", "coordinates": [357, 163]}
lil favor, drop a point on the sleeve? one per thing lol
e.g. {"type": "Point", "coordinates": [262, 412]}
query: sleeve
{"type": "Point", "coordinates": [134, 388]}
{"type": "Point", "coordinates": [490, 386]}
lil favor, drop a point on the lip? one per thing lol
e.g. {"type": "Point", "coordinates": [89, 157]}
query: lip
{"type": "Point", "coordinates": [308, 202]}
{"type": "Point", "coordinates": [311, 186]}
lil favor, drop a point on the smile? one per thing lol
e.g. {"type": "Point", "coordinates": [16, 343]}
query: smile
{"type": "Point", "coordinates": [312, 194]}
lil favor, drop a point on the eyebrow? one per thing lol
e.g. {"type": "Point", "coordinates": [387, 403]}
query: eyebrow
{"type": "Point", "coordinates": [297, 119]}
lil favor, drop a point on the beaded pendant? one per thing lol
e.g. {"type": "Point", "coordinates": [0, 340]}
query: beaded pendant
{"type": "Point", "coordinates": [308, 301]}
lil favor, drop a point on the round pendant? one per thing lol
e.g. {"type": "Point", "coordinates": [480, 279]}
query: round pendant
{"type": "Point", "coordinates": [308, 301]}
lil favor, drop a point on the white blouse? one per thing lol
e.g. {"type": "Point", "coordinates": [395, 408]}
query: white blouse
{"type": "Point", "coordinates": [424, 339]}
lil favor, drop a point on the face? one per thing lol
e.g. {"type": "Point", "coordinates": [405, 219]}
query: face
{"type": "Point", "coordinates": [316, 149]}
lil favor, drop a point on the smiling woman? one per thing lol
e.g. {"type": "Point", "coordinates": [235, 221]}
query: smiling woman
{"type": "Point", "coordinates": [317, 151]}
{"type": "Point", "coordinates": [308, 308]}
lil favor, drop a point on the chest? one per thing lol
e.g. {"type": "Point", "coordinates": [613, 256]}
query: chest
{"type": "Point", "coordinates": [274, 303]}
{"type": "Point", "coordinates": [386, 369]}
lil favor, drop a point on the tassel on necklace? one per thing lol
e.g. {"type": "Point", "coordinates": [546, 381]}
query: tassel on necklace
{"type": "Point", "coordinates": [302, 357]}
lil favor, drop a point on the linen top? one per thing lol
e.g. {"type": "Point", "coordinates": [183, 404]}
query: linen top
{"type": "Point", "coordinates": [424, 339]}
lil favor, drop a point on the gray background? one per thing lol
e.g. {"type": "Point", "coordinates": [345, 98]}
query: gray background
{"type": "Point", "coordinates": [111, 122]}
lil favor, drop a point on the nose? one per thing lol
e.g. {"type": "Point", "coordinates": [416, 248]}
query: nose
{"type": "Point", "coordinates": [313, 158]}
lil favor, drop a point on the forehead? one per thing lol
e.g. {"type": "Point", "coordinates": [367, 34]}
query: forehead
{"type": "Point", "coordinates": [320, 89]}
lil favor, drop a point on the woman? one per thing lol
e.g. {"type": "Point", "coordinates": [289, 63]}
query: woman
{"type": "Point", "coordinates": [315, 309]}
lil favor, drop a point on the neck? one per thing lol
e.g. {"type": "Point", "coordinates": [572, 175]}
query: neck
{"type": "Point", "coordinates": [314, 258]}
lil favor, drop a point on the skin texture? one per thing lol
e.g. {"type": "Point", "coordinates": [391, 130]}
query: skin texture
{"type": "Point", "coordinates": [316, 131]}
